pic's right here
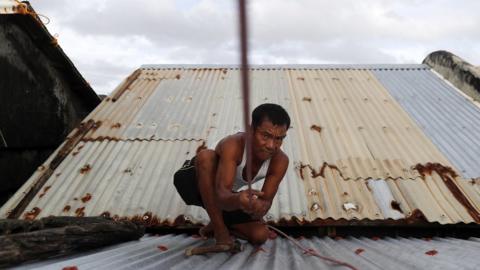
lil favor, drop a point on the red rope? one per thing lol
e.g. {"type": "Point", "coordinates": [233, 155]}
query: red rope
{"type": "Point", "coordinates": [311, 251]}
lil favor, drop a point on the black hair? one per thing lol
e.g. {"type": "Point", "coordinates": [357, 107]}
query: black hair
{"type": "Point", "coordinates": [273, 112]}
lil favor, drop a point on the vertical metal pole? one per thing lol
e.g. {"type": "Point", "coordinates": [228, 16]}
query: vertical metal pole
{"type": "Point", "coordinates": [245, 88]}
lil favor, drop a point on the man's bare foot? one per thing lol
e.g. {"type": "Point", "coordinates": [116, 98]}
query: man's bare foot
{"type": "Point", "coordinates": [206, 231]}
{"type": "Point", "coordinates": [223, 238]}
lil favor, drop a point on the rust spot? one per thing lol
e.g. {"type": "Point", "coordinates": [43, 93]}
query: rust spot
{"type": "Point", "coordinates": [31, 215]}
{"type": "Point", "coordinates": [54, 41]}
{"type": "Point", "coordinates": [428, 168]}
{"type": "Point", "coordinates": [75, 199]}
{"type": "Point", "coordinates": [458, 194]}
{"type": "Point", "coordinates": [224, 71]}
{"type": "Point", "coordinates": [359, 250]}
{"type": "Point", "coordinates": [128, 170]}
{"type": "Point", "coordinates": [41, 168]}
{"type": "Point", "coordinates": [44, 191]}
{"type": "Point", "coordinates": [201, 147]}
{"type": "Point", "coordinates": [147, 217]}
{"type": "Point", "coordinates": [22, 9]}
{"type": "Point", "coordinates": [127, 84]}
{"type": "Point", "coordinates": [375, 238]}
{"type": "Point", "coordinates": [309, 99]}
{"type": "Point", "coordinates": [79, 212]}
{"type": "Point", "coordinates": [177, 77]}
{"type": "Point", "coordinates": [415, 216]}
{"type": "Point", "coordinates": [86, 198]}
{"type": "Point", "coordinates": [162, 248]}
{"type": "Point", "coordinates": [105, 214]}
{"type": "Point", "coordinates": [345, 193]}
{"type": "Point", "coordinates": [300, 169]}
{"type": "Point", "coordinates": [67, 208]}
{"type": "Point", "coordinates": [315, 207]}
{"type": "Point", "coordinates": [396, 206]}
{"type": "Point", "coordinates": [58, 174]}
{"type": "Point", "coordinates": [432, 252]}
{"type": "Point", "coordinates": [86, 168]}
{"type": "Point", "coordinates": [316, 128]}
{"type": "Point", "coordinates": [448, 175]}
{"type": "Point", "coordinates": [70, 268]}
{"type": "Point", "coordinates": [301, 78]}
{"type": "Point", "coordinates": [321, 172]}
{"type": "Point", "coordinates": [116, 125]}
{"type": "Point", "coordinates": [96, 125]}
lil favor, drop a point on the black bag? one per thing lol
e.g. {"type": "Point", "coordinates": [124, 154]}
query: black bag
{"type": "Point", "coordinates": [186, 183]}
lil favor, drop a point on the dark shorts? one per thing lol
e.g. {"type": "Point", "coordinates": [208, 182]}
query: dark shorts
{"type": "Point", "coordinates": [185, 181]}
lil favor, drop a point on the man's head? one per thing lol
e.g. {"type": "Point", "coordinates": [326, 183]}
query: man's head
{"type": "Point", "coordinates": [270, 123]}
{"type": "Point", "coordinates": [269, 111]}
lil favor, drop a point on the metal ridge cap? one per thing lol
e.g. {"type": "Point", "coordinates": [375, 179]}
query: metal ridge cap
{"type": "Point", "coordinates": [288, 66]}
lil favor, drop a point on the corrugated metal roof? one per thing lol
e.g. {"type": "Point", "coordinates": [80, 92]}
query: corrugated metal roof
{"type": "Point", "coordinates": [355, 153]}
{"type": "Point", "coordinates": [451, 120]}
{"type": "Point", "coordinates": [384, 253]}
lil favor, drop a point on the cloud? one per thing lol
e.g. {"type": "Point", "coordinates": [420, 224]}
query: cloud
{"type": "Point", "coordinates": [107, 39]}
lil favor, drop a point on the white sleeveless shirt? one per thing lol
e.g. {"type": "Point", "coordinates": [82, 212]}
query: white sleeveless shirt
{"type": "Point", "coordinates": [239, 182]}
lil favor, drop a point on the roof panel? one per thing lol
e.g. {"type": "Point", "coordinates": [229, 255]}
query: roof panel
{"type": "Point", "coordinates": [352, 150]}
{"type": "Point", "coordinates": [384, 253]}
{"type": "Point", "coordinates": [349, 120]}
{"type": "Point", "coordinates": [449, 119]}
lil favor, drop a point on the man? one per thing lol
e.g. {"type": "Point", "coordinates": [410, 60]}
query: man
{"type": "Point", "coordinates": [213, 178]}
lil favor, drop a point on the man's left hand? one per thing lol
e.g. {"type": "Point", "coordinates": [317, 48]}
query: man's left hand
{"type": "Point", "coordinates": [259, 207]}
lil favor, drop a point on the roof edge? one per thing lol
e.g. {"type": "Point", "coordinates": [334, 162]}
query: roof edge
{"type": "Point", "coordinates": [290, 66]}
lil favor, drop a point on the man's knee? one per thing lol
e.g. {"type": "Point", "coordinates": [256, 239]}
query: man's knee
{"type": "Point", "coordinates": [259, 235]}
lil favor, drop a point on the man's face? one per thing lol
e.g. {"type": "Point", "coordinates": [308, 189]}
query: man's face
{"type": "Point", "coordinates": [267, 139]}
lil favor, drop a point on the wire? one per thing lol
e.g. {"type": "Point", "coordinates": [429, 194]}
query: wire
{"type": "Point", "coordinates": [245, 92]}
{"type": "Point", "coordinates": [311, 251]}
{"type": "Point", "coordinates": [23, 9]}
{"type": "Point", "coordinates": [246, 110]}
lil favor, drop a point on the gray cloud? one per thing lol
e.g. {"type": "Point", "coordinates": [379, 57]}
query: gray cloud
{"type": "Point", "coordinates": [108, 39]}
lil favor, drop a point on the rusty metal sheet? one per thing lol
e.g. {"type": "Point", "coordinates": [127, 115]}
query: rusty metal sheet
{"type": "Point", "coordinates": [356, 155]}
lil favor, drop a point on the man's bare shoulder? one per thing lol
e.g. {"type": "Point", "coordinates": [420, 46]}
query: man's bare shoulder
{"type": "Point", "coordinates": [231, 146]}
{"type": "Point", "coordinates": [279, 161]}
{"type": "Point", "coordinates": [280, 157]}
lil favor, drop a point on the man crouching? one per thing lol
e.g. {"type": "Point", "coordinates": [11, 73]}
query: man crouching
{"type": "Point", "coordinates": [213, 178]}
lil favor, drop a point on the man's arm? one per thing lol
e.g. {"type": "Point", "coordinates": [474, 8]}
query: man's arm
{"type": "Point", "coordinates": [276, 172]}
{"type": "Point", "coordinates": [229, 150]}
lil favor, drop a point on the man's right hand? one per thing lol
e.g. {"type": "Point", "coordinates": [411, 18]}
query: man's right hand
{"type": "Point", "coordinates": [244, 198]}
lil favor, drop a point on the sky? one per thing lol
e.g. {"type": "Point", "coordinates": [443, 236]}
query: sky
{"type": "Point", "coordinates": [108, 39]}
